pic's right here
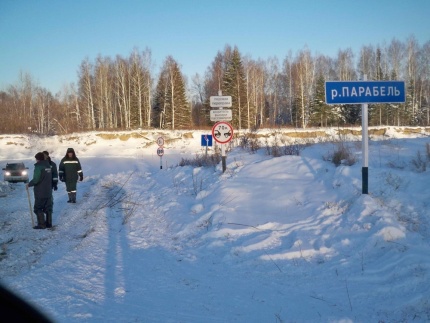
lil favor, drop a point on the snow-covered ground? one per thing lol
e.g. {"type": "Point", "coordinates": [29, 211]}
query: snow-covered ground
{"type": "Point", "coordinates": [286, 239]}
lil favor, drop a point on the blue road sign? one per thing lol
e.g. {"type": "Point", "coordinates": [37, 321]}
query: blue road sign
{"type": "Point", "coordinates": [207, 140]}
{"type": "Point", "coordinates": [354, 92]}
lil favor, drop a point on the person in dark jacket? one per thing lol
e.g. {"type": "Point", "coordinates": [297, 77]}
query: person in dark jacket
{"type": "Point", "coordinates": [69, 171]}
{"type": "Point", "coordinates": [54, 187]}
{"type": "Point", "coordinates": [42, 183]}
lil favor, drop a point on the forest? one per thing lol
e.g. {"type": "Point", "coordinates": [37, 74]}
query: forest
{"type": "Point", "coordinates": [125, 93]}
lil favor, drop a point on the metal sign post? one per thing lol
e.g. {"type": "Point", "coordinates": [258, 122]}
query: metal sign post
{"type": "Point", "coordinates": [206, 142]}
{"type": "Point", "coordinates": [222, 132]}
{"type": "Point", "coordinates": [160, 150]}
{"type": "Point", "coordinates": [364, 92]}
{"type": "Point", "coordinates": [365, 147]}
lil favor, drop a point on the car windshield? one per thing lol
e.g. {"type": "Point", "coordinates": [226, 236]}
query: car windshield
{"type": "Point", "coordinates": [14, 166]}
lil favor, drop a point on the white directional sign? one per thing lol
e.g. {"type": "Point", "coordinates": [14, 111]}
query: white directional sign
{"type": "Point", "coordinates": [221, 115]}
{"type": "Point", "coordinates": [220, 101]}
{"type": "Point", "coordinates": [222, 132]}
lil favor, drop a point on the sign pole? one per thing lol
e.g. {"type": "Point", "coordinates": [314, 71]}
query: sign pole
{"type": "Point", "coordinates": [365, 146]}
{"type": "Point", "coordinates": [160, 150]}
{"type": "Point", "coordinates": [223, 159]}
{"type": "Point", "coordinates": [365, 92]}
{"type": "Point", "coordinates": [222, 133]}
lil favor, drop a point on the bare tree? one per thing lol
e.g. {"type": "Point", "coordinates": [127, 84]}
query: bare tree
{"type": "Point", "coordinates": [103, 92]}
{"type": "Point", "coordinates": [425, 72]}
{"type": "Point", "coordinates": [345, 65]}
{"type": "Point", "coordinates": [305, 83]}
{"type": "Point", "coordinates": [412, 79]}
{"type": "Point", "coordinates": [122, 91]}
{"type": "Point", "coordinates": [289, 84]}
{"type": "Point", "coordinates": [395, 57]}
{"type": "Point", "coordinates": [273, 89]}
{"type": "Point", "coordinates": [198, 98]}
{"type": "Point", "coordinates": [86, 90]}
{"type": "Point", "coordinates": [367, 62]}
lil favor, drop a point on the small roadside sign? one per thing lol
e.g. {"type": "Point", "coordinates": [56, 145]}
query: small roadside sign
{"type": "Point", "coordinates": [160, 151]}
{"type": "Point", "coordinates": [220, 101]}
{"type": "Point", "coordinates": [221, 115]}
{"type": "Point", "coordinates": [207, 140]}
{"type": "Point", "coordinates": [222, 132]}
{"type": "Point", "coordinates": [160, 141]}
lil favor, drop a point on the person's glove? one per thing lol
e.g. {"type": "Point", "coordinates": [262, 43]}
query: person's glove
{"type": "Point", "coordinates": [62, 178]}
{"type": "Point", "coordinates": [54, 186]}
{"type": "Point", "coordinates": [81, 177]}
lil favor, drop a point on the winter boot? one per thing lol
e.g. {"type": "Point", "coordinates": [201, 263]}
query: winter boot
{"type": "Point", "coordinates": [74, 197]}
{"type": "Point", "coordinates": [49, 219]}
{"type": "Point", "coordinates": [40, 221]}
{"type": "Point", "coordinates": [70, 197]}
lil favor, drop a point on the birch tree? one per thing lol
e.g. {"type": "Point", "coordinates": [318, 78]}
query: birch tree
{"type": "Point", "coordinates": [396, 54]}
{"type": "Point", "coordinates": [425, 72]}
{"type": "Point", "coordinates": [273, 87]}
{"type": "Point", "coordinates": [289, 85]}
{"type": "Point", "coordinates": [103, 92]}
{"type": "Point", "coordinates": [304, 85]}
{"type": "Point", "coordinates": [412, 81]}
{"type": "Point", "coordinates": [197, 100]}
{"type": "Point", "coordinates": [86, 91]}
{"type": "Point", "coordinates": [346, 72]}
{"type": "Point", "coordinates": [122, 91]}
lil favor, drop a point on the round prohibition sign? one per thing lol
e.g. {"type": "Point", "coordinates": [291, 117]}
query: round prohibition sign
{"type": "Point", "coordinates": [222, 132]}
{"type": "Point", "coordinates": [160, 151]}
{"type": "Point", "coordinates": [160, 141]}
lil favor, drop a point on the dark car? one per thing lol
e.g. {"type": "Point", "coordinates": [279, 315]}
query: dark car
{"type": "Point", "coordinates": [15, 172]}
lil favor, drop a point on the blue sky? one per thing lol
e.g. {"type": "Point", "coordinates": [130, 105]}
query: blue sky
{"type": "Point", "coordinates": [50, 39]}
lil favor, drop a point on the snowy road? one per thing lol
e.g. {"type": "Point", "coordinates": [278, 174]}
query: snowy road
{"type": "Point", "coordinates": [272, 239]}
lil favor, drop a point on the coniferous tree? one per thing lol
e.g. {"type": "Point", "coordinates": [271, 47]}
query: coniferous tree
{"type": "Point", "coordinates": [234, 85]}
{"type": "Point", "coordinates": [322, 114]}
{"type": "Point", "coordinates": [171, 109]}
{"type": "Point", "coordinates": [159, 109]}
{"type": "Point", "coordinates": [214, 77]}
{"type": "Point", "coordinates": [378, 112]}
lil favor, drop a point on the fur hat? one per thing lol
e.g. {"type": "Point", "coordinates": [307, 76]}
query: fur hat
{"type": "Point", "coordinates": [39, 156]}
{"type": "Point", "coordinates": [70, 150]}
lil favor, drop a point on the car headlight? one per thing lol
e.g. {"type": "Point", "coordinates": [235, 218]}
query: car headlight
{"type": "Point", "coordinates": [7, 173]}
{"type": "Point", "coordinates": [24, 172]}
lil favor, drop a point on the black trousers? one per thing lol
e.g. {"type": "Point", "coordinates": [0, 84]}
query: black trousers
{"type": "Point", "coordinates": [71, 186]}
{"type": "Point", "coordinates": [42, 205]}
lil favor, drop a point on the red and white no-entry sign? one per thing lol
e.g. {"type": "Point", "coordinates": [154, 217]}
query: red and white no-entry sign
{"type": "Point", "coordinates": [222, 132]}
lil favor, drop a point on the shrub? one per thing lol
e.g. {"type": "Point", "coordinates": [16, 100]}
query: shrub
{"type": "Point", "coordinates": [419, 163]}
{"type": "Point", "coordinates": [202, 160]}
{"type": "Point", "coordinates": [428, 151]}
{"type": "Point", "coordinates": [342, 155]}
{"type": "Point", "coordinates": [249, 141]}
